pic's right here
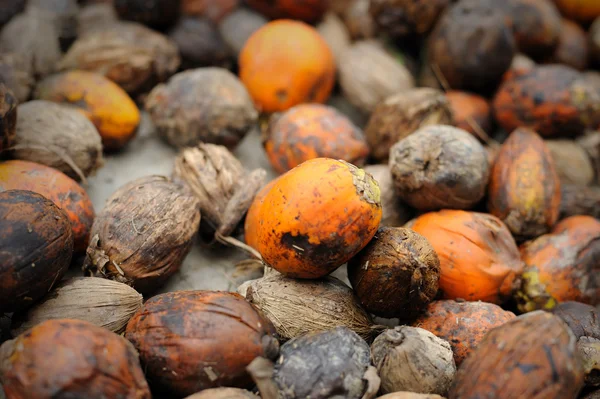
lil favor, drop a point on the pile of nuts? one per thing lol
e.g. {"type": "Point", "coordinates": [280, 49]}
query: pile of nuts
{"type": "Point", "coordinates": [442, 157]}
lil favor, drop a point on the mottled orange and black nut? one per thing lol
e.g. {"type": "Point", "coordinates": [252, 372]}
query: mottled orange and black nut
{"type": "Point", "coordinates": [532, 356]}
{"type": "Point", "coordinates": [8, 118]}
{"type": "Point", "coordinates": [572, 48]}
{"type": "Point", "coordinates": [194, 340]}
{"type": "Point", "coordinates": [402, 18]}
{"type": "Point", "coordinates": [71, 359]}
{"type": "Point", "coordinates": [524, 189]}
{"type": "Point", "coordinates": [154, 13]}
{"type": "Point", "coordinates": [310, 131]}
{"type": "Point", "coordinates": [287, 226]}
{"type": "Point", "coordinates": [553, 100]}
{"type": "Point", "coordinates": [305, 10]}
{"type": "Point", "coordinates": [537, 26]}
{"type": "Point", "coordinates": [215, 10]}
{"type": "Point", "coordinates": [57, 187]}
{"type": "Point", "coordinates": [472, 112]}
{"type": "Point", "coordinates": [462, 324]}
{"type": "Point", "coordinates": [36, 245]}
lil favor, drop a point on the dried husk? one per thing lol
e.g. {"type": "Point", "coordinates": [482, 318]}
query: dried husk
{"type": "Point", "coordinates": [413, 359]}
{"type": "Point", "coordinates": [8, 118]}
{"type": "Point", "coordinates": [131, 55]}
{"type": "Point", "coordinates": [199, 43]}
{"type": "Point", "coordinates": [571, 161]}
{"type": "Point", "coordinates": [144, 232]}
{"type": "Point", "coordinates": [589, 350]}
{"type": "Point", "coordinates": [333, 30]}
{"type": "Point", "coordinates": [61, 13]}
{"type": "Point", "coordinates": [238, 26]}
{"type": "Point", "coordinates": [298, 307]}
{"type": "Point", "coordinates": [578, 200]}
{"type": "Point", "coordinates": [395, 213]}
{"type": "Point", "coordinates": [105, 303]}
{"type": "Point", "coordinates": [16, 73]}
{"type": "Point", "coordinates": [223, 393]}
{"type": "Point", "coordinates": [58, 136]}
{"type": "Point", "coordinates": [95, 15]}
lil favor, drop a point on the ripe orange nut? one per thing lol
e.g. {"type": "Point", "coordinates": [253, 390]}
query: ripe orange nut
{"type": "Point", "coordinates": [286, 63]}
{"type": "Point", "coordinates": [309, 131]}
{"type": "Point", "coordinates": [580, 10]}
{"type": "Point", "coordinates": [306, 10]}
{"type": "Point", "coordinates": [315, 217]}
{"type": "Point", "coordinates": [479, 258]}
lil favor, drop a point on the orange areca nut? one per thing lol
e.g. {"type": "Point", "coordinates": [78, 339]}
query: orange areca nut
{"type": "Point", "coordinates": [580, 10]}
{"type": "Point", "coordinates": [309, 131]}
{"type": "Point", "coordinates": [315, 217]}
{"type": "Point", "coordinates": [110, 108]}
{"type": "Point", "coordinates": [479, 258]}
{"type": "Point", "coordinates": [305, 10]}
{"type": "Point", "coordinates": [471, 111]}
{"type": "Point", "coordinates": [286, 63]}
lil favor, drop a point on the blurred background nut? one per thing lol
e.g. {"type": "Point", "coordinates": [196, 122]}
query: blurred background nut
{"type": "Point", "coordinates": [571, 161]}
{"type": "Point", "coordinates": [95, 16]}
{"type": "Point", "coordinates": [306, 10]}
{"type": "Point", "coordinates": [582, 319]}
{"type": "Point", "coordinates": [572, 48]}
{"type": "Point", "coordinates": [406, 18]}
{"type": "Point", "coordinates": [154, 13]}
{"type": "Point", "coordinates": [199, 43]}
{"type": "Point", "coordinates": [9, 9]}
{"type": "Point", "coordinates": [8, 118]}
{"type": "Point", "coordinates": [223, 393]}
{"type": "Point", "coordinates": [579, 200]}
{"type": "Point", "coordinates": [536, 25]}
{"type": "Point", "coordinates": [580, 10]}
{"type": "Point", "coordinates": [16, 73]}
{"type": "Point", "coordinates": [238, 26]}
{"type": "Point", "coordinates": [394, 212]}
{"type": "Point", "coordinates": [61, 13]}
{"type": "Point", "coordinates": [471, 112]}
{"type": "Point", "coordinates": [215, 10]}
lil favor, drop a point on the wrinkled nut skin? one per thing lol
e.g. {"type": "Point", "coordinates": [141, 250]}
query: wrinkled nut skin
{"type": "Point", "coordinates": [57, 187]}
{"type": "Point", "coordinates": [572, 48]}
{"type": "Point", "coordinates": [402, 18]}
{"type": "Point", "coordinates": [8, 118]}
{"type": "Point", "coordinates": [394, 212]}
{"type": "Point", "coordinates": [71, 359]}
{"type": "Point", "coordinates": [154, 13]}
{"type": "Point", "coordinates": [462, 324]}
{"type": "Point", "coordinates": [532, 356]}
{"type": "Point", "coordinates": [199, 43]}
{"type": "Point", "coordinates": [579, 10]}
{"type": "Point", "coordinates": [309, 131]}
{"type": "Point", "coordinates": [479, 258]}
{"type": "Point", "coordinates": [110, 109]}
{"type": "Point", "coordinates": [305, 10]}
{"type": "Point", "coordinates": [144, 233]}
{"type": "Point", "coordinates": [553, 100]}
{"type": "Point", "coordinates": [286, 63]}
{"type": "Point", "coordinates": [193, 340]}
{"type": "Point", "coordinates": [400, 115]}
{"type": "Point", "coordinates": [470, 111]}
{"type": "Point", "coordinates": [524, 189]}
{"type": "Point", "coordinates": [17, 75]}
{"type": "Point", "coordinates": [397, 274]}
{"type": "Point", "coordinates": [215, 10]}
{"type": "Point", "coordinates": [582, 319]}
{"type": "Point", "coordinates": [579, 200]}
{"type": "Point", "coordinates": [440, 167]}
{"type": "Point", "coordinates": [292, 237]}
{"type": "Point", "coordinates": [207, 105]}
{"type": "Point", "coordinates": [36, 245]}
{"type": "Point", "coordinates": [9, 9]}
{"type": "Point", "coordinates": [537, 26]}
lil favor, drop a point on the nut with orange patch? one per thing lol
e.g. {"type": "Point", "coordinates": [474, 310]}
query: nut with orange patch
{"type": "Point", "coordinates": [315, 217]}
{"type": "Point", "coordinates": [471, 112]}
{"type": "Point", "coordinates": [305, 10]}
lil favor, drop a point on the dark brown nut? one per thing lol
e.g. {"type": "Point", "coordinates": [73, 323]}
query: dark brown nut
{"type": "Point", "coordinates": [206, 105]}
{"type": "Point", "coordinates": [9, 9]}
{"type": "Point", "coordinates": [471, 112]}
{"type": "Point", "coordinates": [524, 190]}
{"type": "Point", "coordinates": [94, 16]}
{"type": "Point", "coordinates": [534, 355]}
{"type": "Point", "coordinates": [590, 142]}
{"type": "Point", "coordinates": [58, 136]}
{"type": "Point", "coordinates": [413, 359]}
{"type": "Point", "coordinates": [16, 73]}
{"type": "Point", "coordinates": [154, 13]}
{"type": "Point", "coordinates": [582, 319]}
{"type": "Point", "coordinates": [537, 26]}
{"type": "Point", "coordinates": [238, 26]}
{"type": "Point", "coordinates": [400, 115]}
{"type": "Point", "coordinates": [396, 275]}
{"type": "Point", "coordinates": [572, 48]}
{"type": "Point", "coordinates": [333, 30]}
{"type": "Point", "coordinates": [368, 74]}
{"type": "Point", "coordinates": [61, 13]}
{"type": "Point", "coordinates": [402, 18]}
{"type": "Point", "coordinates": [215, 10]}
{"type": "Point", "coordinates": [553, 100]}
{"type": "Point", "coordinates": [440, 167]}
{"type": "Point", "coordinates": [472, 45]}
{"type": "Point", "coordinates": [571, 161]}
{"type": "Point", "coordinates": [35, 249]}
{"type": "Point", "coordinates": [223, 393]}
{"type": "Point", "coordinates": [199, 42]}
{"type": "Point", "coordinates": [131, 55]}
{"type": "Point", "coordinates": [194, 340]}
{"type": "Point", "coordinates": [305, 10]}
{"type": "Point", "coordinates": [71, 359]}
{"type": "Point", "coordinates": [8, 118]}
{"type": "Point", "coordinates": [395, 213]}
{"type": "Point", "coordinates": [579, 200]}
{"type": "Point", "coordinates": [143, 233]}
{"type": "Point", "coordinates": [356, 16]}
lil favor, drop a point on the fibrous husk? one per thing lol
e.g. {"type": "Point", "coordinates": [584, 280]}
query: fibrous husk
{"type": "Point", "coordinates": [579, 200]}
{"type": "Point", "coordinates": [238, 26]}
{"type": "Point", "coordinates": [16, 73]}
{"type": "Point", "coordinates": [395, 213]}
{"type": "Point", "coordinates": [223, 393]}
{"type": "Point", "coordinates": [61, 13]}
{"type": "Point", "coordinates": [94, 16]}
{"type": "Point", "coordinates": [59, 137]}
{"type": "Point", "coordinates": [571, 161]}
{"type": "Point", "coordinates": [8, 117]}
{"type": "Point", "coordinates": [102, 302]}
{"type": "Point", "coordinates": [297, 307]}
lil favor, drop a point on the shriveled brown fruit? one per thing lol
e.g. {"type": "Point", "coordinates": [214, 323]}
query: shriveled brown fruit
{"type": "Point", "coordinates": [215, 10]}
{"type": "Point", "coordinates": [143, 233]}
{"type": "Point", "coordinates": [439, 167]}
{"type": "Point", "coordinates": [223, 393]}
{"type": "Point", "coordinates": [395, 213]}
{"type": "Point", "coordinates": [572, 48]}
{"type": "Point", "coordinates": [396, 275]}
{"type": "Point", "coordinates": [238, 26]}
{"type": "Point", "coordinates": [413, 359]}
{"type": "Point", "coordinates": [579, 200]}
{"type": "Point", "coordinates": [537, 26]}
{"type": "Point", "coordinates": [99, 301]}
{"type": "Point", "coordinates": [9, 9]}
{"type": "Point", "coordinates": [154, 13]}
{"type": "Point", "coordinates": [206, 105]}
{"type": "Point", "coordinates": [582, 319]}
{"type": "Point", "coordinates": [16, 73]}
{"type": "Point", "coordinates": [194, 340]}
{"type": "Point", "coordinates": [405, 18]}
{"type": "Point", "coordinates": [356, 16]}
{"type": "Point", "coordinates": [71, 358]}
{"type": "Point", "coordinates": [403, 113]}
{"type": "Point", "coordinates": [8, 118]}
{"type": "Point", "coordinates": [36, 246]}
{"type": "Point", "coordinates": [463, 324]}
{"type": "Point", "coordinates": [94, 16]}
{"type": "Point", "coordinates": [571, 161]}
{"type": "Point", "coordinates": [61, 13]}
{"type": "Point", "coordinates": [471, 112]}
{"type": "Point", "coordinates": [524, 190]}
{"type": "Point", "coordinates": [199, 43]}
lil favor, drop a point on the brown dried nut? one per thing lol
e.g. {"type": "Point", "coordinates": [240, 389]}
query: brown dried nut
{"type": "Point", "coordinates": [215, 10]}
{"type": "Point", "coordinates": [472, 45]}
{"type": "Point", "coordinates": [579, 200]}
{"type": "Point", "coordinates": [36, 39]}
{"type": "Point", "coordinates": [439, 167]}
{"type": "Point", "coordinates": [471, 112]}
{"type": "Point", "coordinates": [355, 14]}
{"type": "Point", "coordinates": [36, 246]}
{"type": "Point", "coordinates": [462, 324]}
{"type": "Point", "coordinates": [223, 393]}
{"type": "Point", "coordinates": [531, 356]}
{"type": "Point", "coordinates": [537, 26]}
{"type": "Point", "coordinates": [401, 114]}
{"type": "Point", "coordinates": [594, 41]}
{"type": "Point", "coordinates": [202, 105]}
{"type": "Point", "coordinates": [582, 319]}
{"type": "Point", "coordinates": [61, 13]}
{"type": "Point", "coordinates": [395, 214]}
{"type": "Point", "coordinates": [58, 136]}
{"type": "Point", "coordinates": [154, 13]}
{"type": "Point", "coordinates": [143, 233]}
{"type": "Point", "coordinates": [409, 395]}
{"type": "Point", "coordinates": [199, 42]}
{"type": "Point", "coordinates": [95, 15]}
{"type": "Point", "coordinates": [238, 26]}
{"type": "Point", "coordinates": [305, 10]}
{"type": "Point", "coordinates": [131, 55]}
{"type": "Point", "coordinates": [589, 350]}
{"type": "Point", "coordinates": [571, 161]}
{"type": "Point", "coordinates": [8, 118]}
{"type": "Point", "coordinates": [590, 142]}
{"type": "Point", "coordinates": [16, 74]}
{"type": "Point", "coordinates": [99, 301]}
{"type": "Point", "coordinates": [572, 48]}
{"type": "Point", "coordinates": [413, 359]}
{"type": "Point", "coordinates": [562, 266]}
{"type": "Point", "coordinates": [335, 34]}
{"type": "Point", "coordinates": [368, 74]}
{"type": "Point", "coordinates": [396, 275]}
{"type": "Point", "coordinates": [553, 100]}
{"type": "Point", "coordinates": [9, 9]}
{"type": "Point", "coordinates": [71, 358]}
{"type": "Point", "coordinates": [402, 18]}
{"type": "Point", "coordinates": [528, 203]}
{"type": "Point", "coordinates": [194, 340]}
